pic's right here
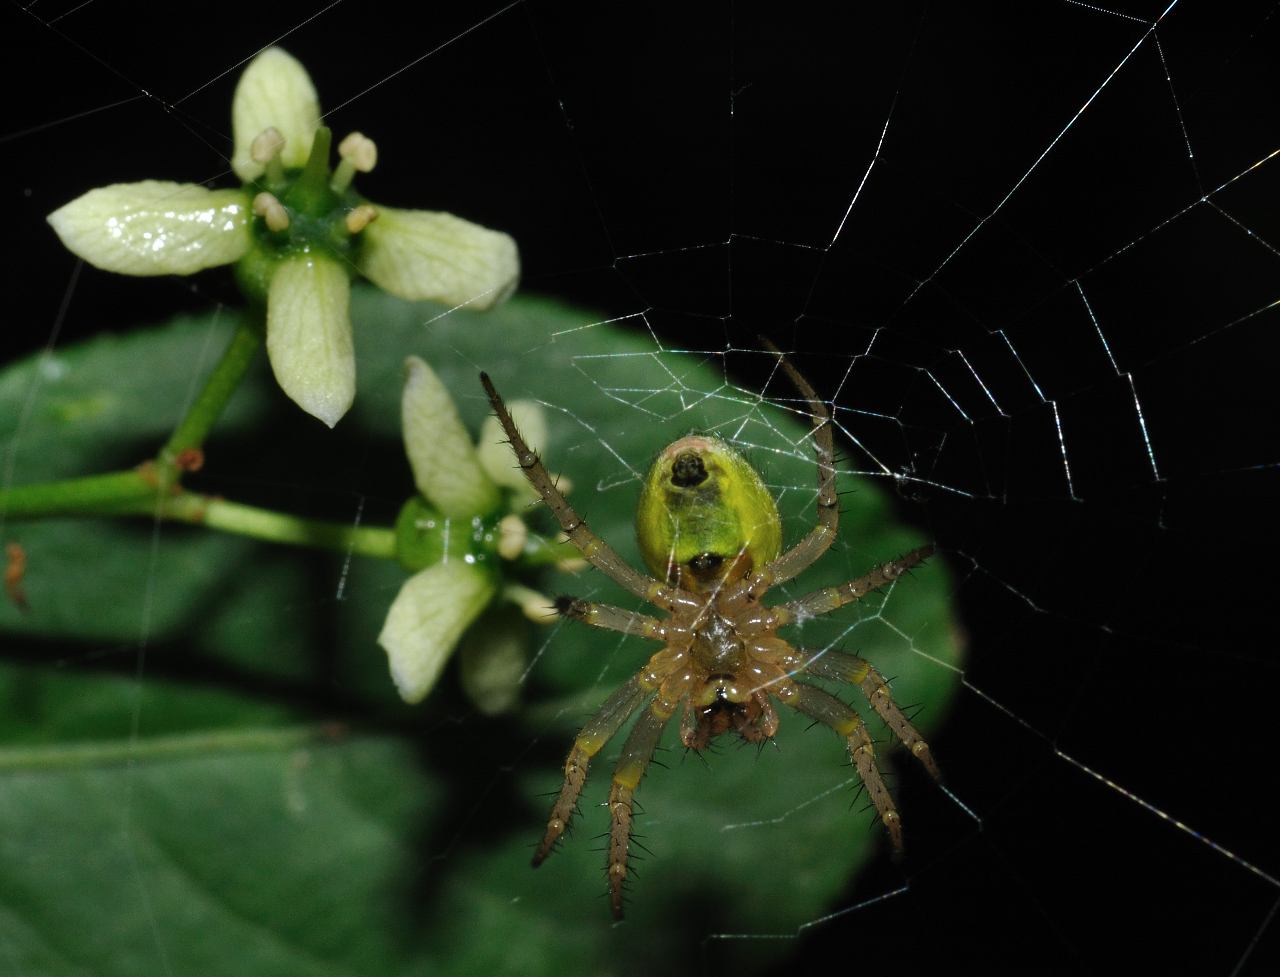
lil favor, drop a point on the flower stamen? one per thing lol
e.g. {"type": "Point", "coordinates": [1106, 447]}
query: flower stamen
{"type": "Point", "coordinates": [358, 218]}
{"type": "Point", "coordinates": [265, 150]}
{"type": "Point", "coordinates": [513, 534]}
{"type": "Point", "coordinates": [537, 607]}
{"type": "Point", "coordinates": [272, 212]}
{"type": "Point", "coordinates": [359, 154]}
{"type": "Point", "coordinates": [290, 231]}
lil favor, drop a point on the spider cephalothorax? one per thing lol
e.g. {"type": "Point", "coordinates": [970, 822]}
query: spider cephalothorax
{"type": "Point", "coordinates": [710, 534]}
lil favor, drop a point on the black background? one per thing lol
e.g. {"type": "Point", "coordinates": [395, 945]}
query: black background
{"type": "Point", "coordinates": [694, 162]}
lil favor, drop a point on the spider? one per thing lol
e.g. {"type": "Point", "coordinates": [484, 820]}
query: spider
{"type": "Point", "coordinates": [710, 534]}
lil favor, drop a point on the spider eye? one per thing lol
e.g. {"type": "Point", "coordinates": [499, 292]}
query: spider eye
{"type": "Point", "coordinates": [688, 470]}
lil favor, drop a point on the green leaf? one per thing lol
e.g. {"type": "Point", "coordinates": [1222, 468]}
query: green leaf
{"type": "Point", "coordinates": [207, 771]}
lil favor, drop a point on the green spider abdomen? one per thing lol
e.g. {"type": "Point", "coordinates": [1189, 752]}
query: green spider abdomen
{"type": "Point", "coordinates": [704, 511]}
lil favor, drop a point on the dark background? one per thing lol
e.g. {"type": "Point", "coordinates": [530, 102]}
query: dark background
{"type": "Point", "coordinates": [693, 162]}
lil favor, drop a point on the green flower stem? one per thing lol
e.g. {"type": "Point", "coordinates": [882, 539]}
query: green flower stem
{"type": "Point", "coordinates": [275, 527]}
{"type": "Point", "coordinates": [78, 496]}
{"type": "Point", "coordinates": [132, 493]}
{"type": "Point", "coordinates": [208, 405]}
{"type": "Point", "coordinates": [136, 490]}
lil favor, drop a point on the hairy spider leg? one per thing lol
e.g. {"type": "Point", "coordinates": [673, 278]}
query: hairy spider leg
{"type": "Point", "coordinates": [826, 708]}
{"type": "Point", "coordinates": [842, 667]}
{"type": "Point", "coordinates": [592, 738]}
{"type": "Point", "coordinates": [829, 598]}
{"type": "Point", "coordinates": [669, 678]}
{"type": "Point", "coordinates": [611, 618]}
{"type": "Point", "coordinates": [636, 754]}
{"type": "Point", "coordinates": [596, 551]}
{"type": "Point", "coordinates": [801, 556]}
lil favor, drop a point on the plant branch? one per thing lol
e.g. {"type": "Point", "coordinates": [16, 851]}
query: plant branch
{"type": "Point", "coordinates": [275, 527]}
{"type": "Point", "coordinates": [89, 495]}
{"type": "Point", "coordinates": [205, 410]}
{"type": "Point", "coordinates": [138, 489]}
{"type": "Point", "coordinates": [133, 493]}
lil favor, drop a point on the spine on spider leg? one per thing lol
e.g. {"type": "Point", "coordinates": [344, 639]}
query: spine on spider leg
{"type": "Point", "coordinates": [820, 538]}
{"type": "Point", "coordinates": [829, 598]}
{"type": "Point", "coordinates": [863, 753]}
{"type": "Point", "coordinates": [636, 754]}
{"type": "Point", "coordinates": [620, 798]}
{"type": "Point", "coordinates": [915, 557]}
{"type": "Point", "coordinates": [841, 667]}
{"type": "Point", "coordinates": [575, 775]}
{"type": "Point", "coordinates": [592, 737]}
{"type": "Point", "coordinates": [610, 618]}
{"type": "Point", "coordinates": [827, 709]}
{"type": "Point", "coordinates": [886, 573]}
{"type": "Point", "coordinates": [596, 552]}
{"type": "Point", "coordinates": [876, 689]}
{"type": "Point", "coordinates": [823, 440]}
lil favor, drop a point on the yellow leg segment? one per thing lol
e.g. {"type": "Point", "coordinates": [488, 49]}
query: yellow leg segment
{"type": "Point", "coordinates": [589, 742]}
{"type": "Point", "coordinates": [842, 667]}
{"type": "Point", "coordinates": [636, 754]}
{"type": "Point", "coordinates": [827, 709]}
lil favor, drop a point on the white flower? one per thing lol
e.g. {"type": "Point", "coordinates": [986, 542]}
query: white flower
{"type": "Point", "coordinates": [420, 254]}
{"type": "Point", "coordinates": [462, 486]}
{"type": "Point", "coordinates": [281, 154]}
{"type": "Point", "coordinates": [156, 227]}
{"type": "Point", "coordinates": [275, 92]}
{"type": "Point", "coordinates": [430, 613]}
{"type": "Point", "coordinates": [446, 468]}
{"type": "Point", "coordinates": [309, 335]}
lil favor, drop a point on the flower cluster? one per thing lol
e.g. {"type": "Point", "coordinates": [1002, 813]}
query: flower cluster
{"type": "Point", "coordinates": [296, 231]}
{"type": "Point", "coordinates": [455, 537]}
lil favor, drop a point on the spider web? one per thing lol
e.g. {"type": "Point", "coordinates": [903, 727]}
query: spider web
{"type": "Point", "coordinates": [1030, 254]}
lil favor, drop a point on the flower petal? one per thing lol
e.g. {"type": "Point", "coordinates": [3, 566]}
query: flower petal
{"type": "Point", "coordinates": [275, 90]}
{"type": "Point", "coordinates": [309, 335]}
{"type": "Point", "coordinates": [492, 661]}
{"type": "Point", "coordinates": [445, 466]}
{"type": "Point", "coordinates": [155, 227]}
{"type": "Point", "coordinates": [426, 620]}
{"type": "Point", "coordinates": [495, 452]}
{"type": "Point", "coordinates": [421, 254]}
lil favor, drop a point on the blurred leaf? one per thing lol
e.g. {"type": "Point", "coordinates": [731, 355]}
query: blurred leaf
{"type": "Point", "coordinates": [206, 769]}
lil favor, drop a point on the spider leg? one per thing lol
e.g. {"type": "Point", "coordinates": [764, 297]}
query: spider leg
{"type": "Point", "coordinates": [829, 598]}
{"type": "Point", "coordinates": [636, 754]}
{"type": "Point", "coordinates": [596, 551]}
{"type": "Point", "coordinates": [612, 618]}
{"type": "Point", "coordinates": [841, 667]}
{"type": "Point", "coordinates": [594, 735]}
{"type": "Point", "coordinates": [820, 538]}
{"type": "Point", "coordinates": [827, 709]}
